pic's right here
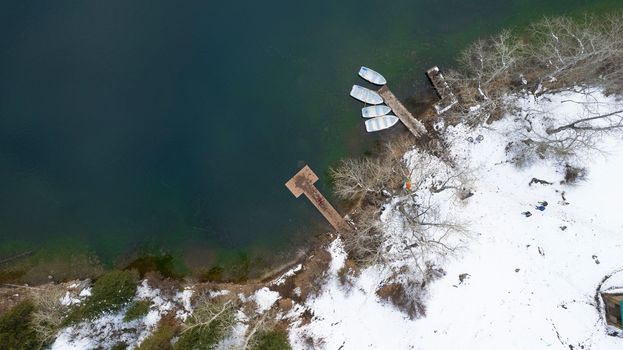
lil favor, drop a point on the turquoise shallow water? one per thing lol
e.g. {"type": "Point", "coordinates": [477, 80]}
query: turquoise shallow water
{"type": "Point", "coordinates": [152, 123]}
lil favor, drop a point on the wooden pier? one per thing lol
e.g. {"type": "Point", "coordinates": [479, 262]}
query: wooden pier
{"type": "Point", "coordinates": [415, 126]}
{"type": "Point", "coordinates": [448, 99]}
{"type": "Point", "coordinates": [303, 183]}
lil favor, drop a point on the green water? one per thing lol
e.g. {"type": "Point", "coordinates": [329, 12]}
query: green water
{"type": "Point", "coordinates": [172, 127]}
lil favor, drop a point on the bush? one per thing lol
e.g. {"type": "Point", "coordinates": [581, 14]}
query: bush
{"type": "Point", "coordinates": [271, 340]}
{"type": "Point", "coordinates": [119, 346]}
{"type": "Point", "coordinates": [574, 174]}
{"type": "Point", "coordinates": [400, 297]}
{"type": "Point", "coordinates": [137, 310]}
{"type": "Point", "coordinates": [161, 338]}
{"type": "Point", "coordinates": [16, 331]}
{"type": "Point", "coordinates": [110, 292]}
{"type": "Point", "coordinates": [49, 313]}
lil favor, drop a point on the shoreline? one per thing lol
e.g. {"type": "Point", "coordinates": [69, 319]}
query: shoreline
{"type": "Point", "coordinates": [422, 111]}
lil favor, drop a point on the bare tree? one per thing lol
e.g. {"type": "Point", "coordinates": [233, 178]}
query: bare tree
{"type": "Point", "coordinates": [209, 316]}
{"type": "Point", "coordinates": [364, 244]}
{"type": "Point", "coordinates": [541, 133]}
{"type": "Point", "coordinates": [368, 178]}
{"type": "Point", "coordinates": [256, 324]}
{"type": "Point", "coordinates": [575, 52]}
{"type": "Point", "coordinates": [557, 54]}
{"type": "Point", "coordinates": [419, 227]}
{"type": "Point", "coordinates": [604, 122]}
{"type": "Point", "coordinates": [489, 67]}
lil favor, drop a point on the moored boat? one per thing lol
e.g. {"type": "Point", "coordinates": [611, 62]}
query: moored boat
{"type": "Point", "coordinates": [375, 111]}
{"type": "Point", "coordinates": [372, 76]}
{"type": "Point", "coordinates": [366, 95]}
{"type": "Point", "coordinates": [381, 123]}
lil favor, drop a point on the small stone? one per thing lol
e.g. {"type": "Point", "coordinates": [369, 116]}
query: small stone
{"type": "Point", "coordinates": [516, 270]}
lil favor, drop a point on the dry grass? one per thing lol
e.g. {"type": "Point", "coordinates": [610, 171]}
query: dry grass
{"type": "Point", "coordinates": [49, 313]}
{"type": "Point", "coordinates": [403, 298]}
{"type": "Point", "coordinates": [348, 272]}
{"type": "Point", "coordinates": [310, 279]}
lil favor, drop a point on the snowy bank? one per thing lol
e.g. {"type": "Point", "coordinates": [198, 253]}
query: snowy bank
{"type": "Point", "coordinates": [518, 280]}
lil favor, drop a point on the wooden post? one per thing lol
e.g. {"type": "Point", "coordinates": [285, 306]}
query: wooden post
{"type": "Point", "coordinates": [303, 183]}
{"type": "Point", "coordinates": [415, 126]}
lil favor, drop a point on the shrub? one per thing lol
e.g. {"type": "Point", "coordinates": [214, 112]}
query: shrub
{"type": "Point", "coordinates": [574, 174]}
{"type": "Point", "coordinates": [401, 297]}
{"type": "Point", "coordinates": [271, 340]}
{"type": "Point", "coordinates": [119, 346]}
{"type": "Point", "coordinates": [160, 339]}
{"type": "Point", "coordinates": [137, 310]}
{"type": "Point", "coordinates": [110, 292]}
{"type": "Point", "coordinates": [16, 331]}
{"type": "Point", "coordinates": [49, 313]}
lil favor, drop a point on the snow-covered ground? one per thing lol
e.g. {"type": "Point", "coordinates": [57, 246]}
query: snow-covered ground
{"type": "Point", "coordinates": [512, 281]}
{"type": "Point", "coordinates": [528, 282]}
{"type": "Point", "coordinates": [111, 329]}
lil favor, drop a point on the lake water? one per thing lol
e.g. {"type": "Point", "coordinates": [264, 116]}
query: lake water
{"type": "Point", "coordinates": [169, 125]}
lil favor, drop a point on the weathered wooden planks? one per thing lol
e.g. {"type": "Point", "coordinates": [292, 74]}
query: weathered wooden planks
{"type": "Point", "coordinates": [415, 126]}
{"type": "Point", "coordinates": [303, 183]}
{"type": "Point", "coordinates": [448, 99]}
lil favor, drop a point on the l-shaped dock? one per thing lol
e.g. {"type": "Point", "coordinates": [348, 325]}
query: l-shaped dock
{"type": "Point", "coordinates": [303, 183]}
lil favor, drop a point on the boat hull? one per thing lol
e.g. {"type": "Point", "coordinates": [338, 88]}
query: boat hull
{"type": "Point", "coordinates": [372, 76]}
{"type": "Point", "coordinates": [381, 123]}
{"type": "Point", "coordinates": [375, 111]}
{"type": "Point", "coordinates": [366, 95]}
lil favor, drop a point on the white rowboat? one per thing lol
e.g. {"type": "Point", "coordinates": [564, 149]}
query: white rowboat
{"type": "Point", "coordinates": [381, 123]}
{"type": "Point", "coordinates": [365, 95]}
{"type": "Point", "coordinates": [375, 111]}
{"type": "Point", "coordinates": [372, 76]}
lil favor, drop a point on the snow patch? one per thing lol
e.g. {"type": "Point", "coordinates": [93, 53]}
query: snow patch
{"type": "Point", "coordinates": [265, 298]}
{"type": "Point", "coordinates": [282, 279]}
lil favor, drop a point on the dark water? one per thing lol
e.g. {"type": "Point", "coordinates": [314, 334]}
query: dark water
{"type": "Point", "coordinates": [175, 125]}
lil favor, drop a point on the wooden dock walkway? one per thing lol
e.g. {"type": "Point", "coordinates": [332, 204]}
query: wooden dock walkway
{"type": "Point", "coordinates": [303, 183]}
{"type": "Point", "coordinates": [415, 126]}
{"type": "Point", "coordinates": [448, 99]}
